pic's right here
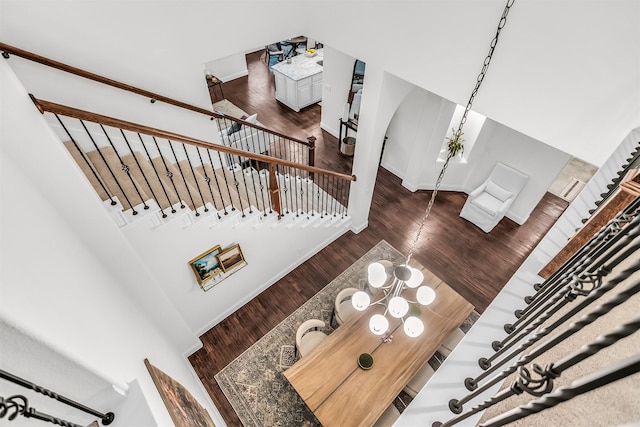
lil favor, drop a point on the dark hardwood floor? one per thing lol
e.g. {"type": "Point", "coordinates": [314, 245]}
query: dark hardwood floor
{"type": "Point", "coordinates": [475, 264]}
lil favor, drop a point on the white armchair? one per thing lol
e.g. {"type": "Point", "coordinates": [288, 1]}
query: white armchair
{"type": "Point", "coordinates": [489, 203]}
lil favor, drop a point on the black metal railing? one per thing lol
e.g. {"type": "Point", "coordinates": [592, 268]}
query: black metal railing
{"type": "Point", "coordinates": [607, 265]}
{"type": "Point", "coordinates": [15, 405]}
{"type": "Point", "coordinates": [142, 167]}
{"type": "Point", "coordinates": [632, 162]}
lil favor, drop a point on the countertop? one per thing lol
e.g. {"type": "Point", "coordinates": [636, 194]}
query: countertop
{"type": "Point", "coordinates": [301, 66]}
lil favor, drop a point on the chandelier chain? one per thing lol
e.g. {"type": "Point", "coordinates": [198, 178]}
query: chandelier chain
{"type": "Point", "coordinates": [463, 120]}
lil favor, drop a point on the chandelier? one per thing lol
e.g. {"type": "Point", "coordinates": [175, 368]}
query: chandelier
{"type": "Point", "coordinates": [395, 282]}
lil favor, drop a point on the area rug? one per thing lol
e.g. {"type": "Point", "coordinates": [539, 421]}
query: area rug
{"type": "Point", "coordinates": [254, 382]}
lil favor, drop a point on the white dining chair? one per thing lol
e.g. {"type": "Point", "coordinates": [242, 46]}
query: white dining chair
{"type": "Point", "coordinates": [342, 307]}
{"type": "Point", "coordinates": [450, 342]}
{"type": "Point", "coordinates": [419, 380]}
{"type": "Point", "coordinates": [309, 335]}
{"type": "Point", "coordinates": [388, 417]}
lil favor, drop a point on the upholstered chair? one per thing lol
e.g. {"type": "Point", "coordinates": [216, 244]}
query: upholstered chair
{"type": "Point", "coordinates": [342, 307]}
{"type": "Point", "coordinates": [309, 335]}
{"type": "Point", "coordinates": [388, 417]}
{"type": "Point", "coordinates": [450, 342]}
{"type": "Point", "coordinates": [419, 380]}
{"type": "Point", "coordinates": [489, 203]}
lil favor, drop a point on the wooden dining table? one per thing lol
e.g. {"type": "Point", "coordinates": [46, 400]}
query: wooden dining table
{"type": "Point", "coordinates": [340, 393]}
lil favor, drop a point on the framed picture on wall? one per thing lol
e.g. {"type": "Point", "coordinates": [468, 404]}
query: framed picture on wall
{"type": "Point", "coordinates": [206, 266]}
{"type": "Point", "coordinates": [184, 409]}
{"type": "Point", "coordinates": [231, 258]}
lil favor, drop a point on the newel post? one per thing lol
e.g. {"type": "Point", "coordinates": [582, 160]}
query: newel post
{"type": "Point", "coordinates": [312, 153]}
{"type": "Point", "coordinates": [274, 189]}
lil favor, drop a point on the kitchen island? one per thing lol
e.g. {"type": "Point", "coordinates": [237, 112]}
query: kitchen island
{"type": "Point", "coordinates": [299, 83]}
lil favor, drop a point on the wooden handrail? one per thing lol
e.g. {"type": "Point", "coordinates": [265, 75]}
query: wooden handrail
{"type": "Point", "coordinates": [52, 107]}
{"type": "Point", "coordinates": [8, 49]}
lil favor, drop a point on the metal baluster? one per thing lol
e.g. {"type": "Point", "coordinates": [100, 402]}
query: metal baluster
{"type": "Point", "coordinates": [208, 181]}
{"type": "Point", "coordinates": [589, 263]}
{"type": "Point", "coordinates": [164, 215]}
{"type": "Point", "coordinates": [215, 177]}
{"type": "Point", "coordinates": [88, 163]}
{"type": "Point", "coordinates": [334, 194]}
{"type": "Point", "coordinates": [184, 180]}
{"type": "Point", "coordinates": [195, 178]}
{"type": "Point", "coordinates": [615, 222]}
{"type": "Point", "coordinates": [456, 405]}
{"type": "Point", "coordinates": [226, 181]}
{"type": "Point", "coordinates": [538, 387]}
{"type": "Point", "coordinates": [562, 298]}
{"type": "Point", "coordinates": [259, 196]}
{"type": "Point", "coordinates": [170, 176]}
{"type": "Point", "coordinates": [105, 418]}
{"type": "Point", "coordinates": [19, 405]}
{"type": "Point", "coordinates": [319, 196]}
{"type": "Point", "coordinates": [133, 210]}
{"type": "Point", "coordinates": [576, 289]}
{"type": "Point", "coordinates": [585, 384]}
{"type": "Point", "coordinates": [597, 245]}
{"type": "Point", "coordinates": [326, 194]}
{"type": "Point", "coordinates": [125, 169]}
{"type": "Point", "coordinates": [236, 183]}
{"type": "Point", "coordinates": [135, 158]}
{"type": "Point", "coordinates": [310, 195]}
{"type": "Point", "coordinates": [246, 187]}
{"type": "Point", "coordinates": [295, 193]}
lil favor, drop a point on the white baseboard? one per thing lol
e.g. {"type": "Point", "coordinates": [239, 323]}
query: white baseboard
{"type": "Point", "coordinates": [234, 75]}
{"type": "Point", "coordinates": [517, 218]}
{"type": "Point", "coordinates": [339, 232]}
{"type": "Point", "coordinates": [329, 129]}
{"type": "Point", "coordinates": [359, 228]}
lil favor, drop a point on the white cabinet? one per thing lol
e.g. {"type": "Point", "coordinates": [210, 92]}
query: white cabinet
{"type": "Point", "coordinates": [281, 88]}
{"type": "Point", "coordinates": [305, 93]}
{"type": "Point", "coordinates": [317, 86]}
{"type": "Point", "coordinates": [299, 83]}
{"type": "Point", "coordinates": [297, 94]}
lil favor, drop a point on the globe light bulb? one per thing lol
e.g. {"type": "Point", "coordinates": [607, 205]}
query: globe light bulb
{"type": "Point", "coordinates": [360, 300]}
{"type": "Point", "coordinates": [413, 326]}
{"type": "Point", "coordinates": [376, 274]}
{"type": "Point", "coordinates": [398, 307]}
{"type": "Point", "coordinates": [416, 278]}
{"type": "Point", "coordinates": [425, 295]}
{"type": "Point", "coordinates": [378, 324]}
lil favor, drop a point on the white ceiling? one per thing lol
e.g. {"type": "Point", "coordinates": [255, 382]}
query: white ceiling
{"type": "Point", "coordinates": [566, 73]}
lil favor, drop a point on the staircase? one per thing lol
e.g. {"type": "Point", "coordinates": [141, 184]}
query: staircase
{"type": "Point", "coordinates": [218, 193]}
{"type": "Point", "coordinates": [140, 172]}
{"type": "Point", "coordinates": [256, 176]}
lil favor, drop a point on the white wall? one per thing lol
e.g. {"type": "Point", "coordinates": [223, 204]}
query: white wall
{"type": "Point", "coordinates": [542, 163]}
{"type": "Point", "coordinates": [228, 68]}
{"type": "Point", "coordinates": [270, 254]}
{"type": "Point", "coordinates": [336, 83]}
{"type": "Point", "coordinates": [69, 279]}
{"type": "Point", "coordinates": [568, 86]}
{"type": "Point", "coordinates": [418, 129]}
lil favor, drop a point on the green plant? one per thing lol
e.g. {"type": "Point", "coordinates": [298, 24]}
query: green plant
{"type": "Point", "coordinates": [455, 143]}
